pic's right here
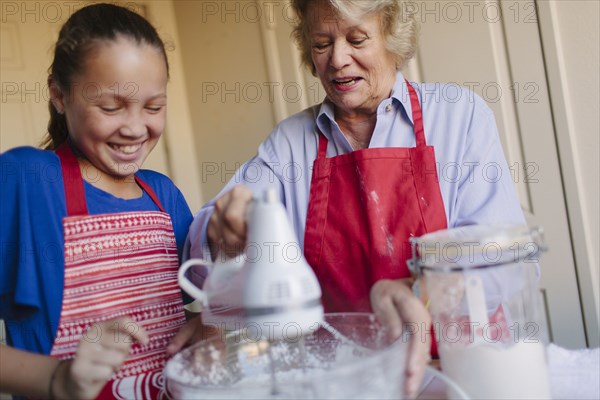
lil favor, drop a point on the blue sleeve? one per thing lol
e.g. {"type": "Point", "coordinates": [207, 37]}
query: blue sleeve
{"type": "Point", "coordinates": [32, 261]}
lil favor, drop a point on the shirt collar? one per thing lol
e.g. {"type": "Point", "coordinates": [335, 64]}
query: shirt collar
{"type": "Point", "coordinates": [325, 117]}
{"type": "Point", "coordinates": [400, 95]}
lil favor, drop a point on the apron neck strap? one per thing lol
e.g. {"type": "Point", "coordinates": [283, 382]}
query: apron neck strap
{"type": "Point", "coordinates": [72, 180]}
{"type": "Point", "coordinates": [73, 183]}
{"type": "Point", "coordinates": [150, 192]}
{"type": "Point", "coordinates": [417, 116]}
{"type": "Point", "coordinates": [322, 152]}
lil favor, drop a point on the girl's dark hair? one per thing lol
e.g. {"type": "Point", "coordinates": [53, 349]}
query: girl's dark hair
{"type": "Point", "coordinates": [84, 30]}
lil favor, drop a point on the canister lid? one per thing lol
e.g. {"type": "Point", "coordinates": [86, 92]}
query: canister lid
{"type": "Point", "coordinates": [477, 246]}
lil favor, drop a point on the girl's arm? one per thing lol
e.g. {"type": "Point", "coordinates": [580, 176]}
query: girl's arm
{"type": "Point", "coordinates": [24, 373]}
{"type": "Point", "coordinates": [82, 377]}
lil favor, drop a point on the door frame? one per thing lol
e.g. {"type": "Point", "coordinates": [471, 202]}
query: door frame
{"type": "Point", "coordinates": [554, 60]}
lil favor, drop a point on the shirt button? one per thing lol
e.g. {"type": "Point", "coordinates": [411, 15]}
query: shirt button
{"type": "Point", "coordinates": [388, 108]}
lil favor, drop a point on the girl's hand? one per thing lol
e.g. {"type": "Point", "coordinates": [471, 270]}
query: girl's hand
{"type": "Point", "coordinates": [396, 306]}
{"type": "Point", "coordinates": [96, 360]}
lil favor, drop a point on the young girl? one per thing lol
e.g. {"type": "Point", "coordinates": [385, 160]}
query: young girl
{"type": "Point", "coordinates": [90, 242]}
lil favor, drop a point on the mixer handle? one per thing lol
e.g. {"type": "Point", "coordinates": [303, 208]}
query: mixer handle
{"type": "Point", "coordinates": [187, 285]}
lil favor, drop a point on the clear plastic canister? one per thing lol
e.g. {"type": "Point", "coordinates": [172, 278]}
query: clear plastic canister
{"type": "Point", "coordinates": [481, 284]}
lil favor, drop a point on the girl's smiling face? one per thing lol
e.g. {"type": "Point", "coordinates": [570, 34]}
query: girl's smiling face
{"type": "Point", "coordinates": [116, 108]}
{"type": "Point", "coordinates": [351, 60]}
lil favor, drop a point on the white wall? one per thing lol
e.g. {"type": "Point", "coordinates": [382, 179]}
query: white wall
{"type": "Point", "coordinates": [178, 136]}
{"type": "Point", "coordinates": [242, 75]}
{"type": "Point", "coordinates": [224, 71]}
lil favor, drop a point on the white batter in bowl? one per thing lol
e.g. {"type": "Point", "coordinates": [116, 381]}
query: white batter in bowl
{"type": "Point", "coordinates": [352, 358]}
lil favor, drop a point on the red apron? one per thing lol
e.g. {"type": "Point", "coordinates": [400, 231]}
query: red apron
{"type": "Point", "coordinates": [363, 208]}
{"type": "Point", "coordinates": [122, 264]}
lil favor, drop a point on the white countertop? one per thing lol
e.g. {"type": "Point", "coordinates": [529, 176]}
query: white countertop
{"type": "Point", "coordinates": [573, 375]}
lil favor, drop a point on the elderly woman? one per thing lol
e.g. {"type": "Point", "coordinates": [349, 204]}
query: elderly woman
{"type": "Point", "coordinates": [379, 161]}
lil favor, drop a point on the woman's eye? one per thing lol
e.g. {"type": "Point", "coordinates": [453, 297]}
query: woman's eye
{"type": "Point", "coordinates": [320, 46]}
{"type": "Point", "coordinates": [356, 42]}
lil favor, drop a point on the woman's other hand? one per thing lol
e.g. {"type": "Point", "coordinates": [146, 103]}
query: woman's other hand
{"type": "Point", "coordinates": [396, 307]}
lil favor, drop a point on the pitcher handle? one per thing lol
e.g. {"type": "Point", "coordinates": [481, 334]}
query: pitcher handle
{"type": "Point", "coordinates": [187, 285]}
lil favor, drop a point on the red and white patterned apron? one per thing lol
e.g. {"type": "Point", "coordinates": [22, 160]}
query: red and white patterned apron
{"type": "Point", "coordinates": [122, 264]}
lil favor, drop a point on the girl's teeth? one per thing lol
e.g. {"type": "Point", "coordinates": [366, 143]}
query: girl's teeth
{"type": "Point", "coordinates": [126, 149]}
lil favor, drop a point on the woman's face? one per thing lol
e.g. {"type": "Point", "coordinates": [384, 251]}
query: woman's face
{"type": "Point", "coordinates": [351, 60]}
{"type": "Point", "coordinates": [116, 109]}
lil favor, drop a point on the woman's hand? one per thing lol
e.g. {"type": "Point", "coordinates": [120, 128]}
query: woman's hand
{"type": "Point", "coordinates": [227, 224]}
{"type": "Point", "coordinates": [101, 352]}
{"type": "Point", "coordinates": [396, 306]}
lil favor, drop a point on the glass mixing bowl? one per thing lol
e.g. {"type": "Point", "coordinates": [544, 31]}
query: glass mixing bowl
{"type": "Point", "coordinates": [349, 357]}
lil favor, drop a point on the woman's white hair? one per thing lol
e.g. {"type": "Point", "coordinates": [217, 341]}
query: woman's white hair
{"type": "Point", "coordinates": [399, 22]}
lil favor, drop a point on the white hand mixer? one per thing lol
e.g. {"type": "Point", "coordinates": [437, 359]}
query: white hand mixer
{"type": "Point", "coordinates": [269, 289]}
